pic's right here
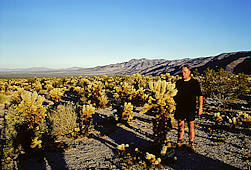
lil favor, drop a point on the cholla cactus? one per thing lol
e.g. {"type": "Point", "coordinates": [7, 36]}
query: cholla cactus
{"type": "Point", "coordinates": [152, 159]}
{"type": "Point", "coordinates": [127, 113]}
{"type": "Point", "coordinates": [25, 125]}
{"type": "Point", "coordinates": [37, 86]}
{"type": "Point", "coordinates": [122, 147]}
{"type": "Point", "coordinates": [124, 113]}
{"type": "Point", "coordinates": [48, 86]}
{"type": "Point", "coordinates": [167, 77]}
{"type": "Point", "coordinates": [16, 96]}
{"type": "Point", "coordinates": [36, 143]}
{"type": "Point", "coordinates": [96, 94]}
{"type": "Point", "coordinates": [161, 104]}
{"type": "Point", "coordinates": [138, 97]}
{"type": "Point", "coordinates": [234, 121]}
{"type": "Point", "coordinates": [4, 99]}
{"type": "Point", "coordinates": [167, 145]}
{"type": "Point", "coordinates": [123, 92]}
{"type": "Point", "coordinates": [86, 118]}
{"type": "Point", "coordinates": [87, 111]}
{"type": "Point", "coordinates": [32, 109]}
{"type": "Point", "coordinates": [244, 117]}
{"type": "Point", "coordinates": [56, 94]}
{"type": "Point", "coordinates": [139, 81]}
{"type": "Point", "coordinates": [11, 147]}
{"type": "Point", "coordinates": [2, 86]}
{"type": "Point", "coordinates": [218, 117]}
{"type": "Point", "coordinates": [34, 112]}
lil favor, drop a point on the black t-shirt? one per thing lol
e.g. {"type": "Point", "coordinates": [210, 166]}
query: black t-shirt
{"type": "Point", "coordinates": [186, 96]}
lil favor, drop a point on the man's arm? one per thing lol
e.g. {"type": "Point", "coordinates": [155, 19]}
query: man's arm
{"type": "Point", "coordinates": [200, 105]}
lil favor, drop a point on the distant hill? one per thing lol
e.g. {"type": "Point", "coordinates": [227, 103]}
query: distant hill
{"type": "Point", "coordinates": [236, 62]}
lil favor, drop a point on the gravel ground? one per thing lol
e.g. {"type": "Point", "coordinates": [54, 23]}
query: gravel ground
{"type": "Point", "coordinates": [222, 149]}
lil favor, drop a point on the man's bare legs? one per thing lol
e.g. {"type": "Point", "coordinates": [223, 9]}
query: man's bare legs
{"type": "Point", "coordinates": [191, 131]}
{"type": "Point", "coordinates": [181, 131]}
{"type": "Point", "coordinates": [181, 124]}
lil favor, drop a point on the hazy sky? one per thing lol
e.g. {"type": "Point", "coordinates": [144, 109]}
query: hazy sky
{"type": "Point", "coordinates": [87, 33]}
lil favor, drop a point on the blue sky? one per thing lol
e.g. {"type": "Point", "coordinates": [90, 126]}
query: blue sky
{"type": "Point", "coordinates": [88, 33]}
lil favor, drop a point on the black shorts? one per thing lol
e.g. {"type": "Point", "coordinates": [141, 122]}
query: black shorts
{"type": "Point", "coordinates": [185, 115]}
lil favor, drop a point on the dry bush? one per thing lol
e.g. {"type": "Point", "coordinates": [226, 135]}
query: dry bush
{"type": "Point", "coordinates": [63, 120]}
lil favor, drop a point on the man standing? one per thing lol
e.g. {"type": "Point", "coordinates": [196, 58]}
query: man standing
{"type": "Point", "coordinates": [188, 90]}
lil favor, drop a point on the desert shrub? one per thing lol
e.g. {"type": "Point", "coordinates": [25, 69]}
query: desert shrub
{"type": "Point", "coordinates": [63, 120]}
{"type": "Point", "coordinates": [223, 85]}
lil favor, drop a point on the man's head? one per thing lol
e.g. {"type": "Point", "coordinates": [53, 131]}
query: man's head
{"type": "Point", "coordinates": [186, 72]}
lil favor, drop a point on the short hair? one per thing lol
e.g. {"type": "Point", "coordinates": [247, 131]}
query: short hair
{"type": "Point", "coordinates": [187, 66]}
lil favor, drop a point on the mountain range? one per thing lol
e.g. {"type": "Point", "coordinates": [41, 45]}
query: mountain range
{"type": "Point", "coordinates": [236, 62]}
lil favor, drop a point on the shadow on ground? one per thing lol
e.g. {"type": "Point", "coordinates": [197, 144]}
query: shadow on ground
{"type": "Point", "coordinates": [36, 158]}
{"type": "Point", "coordinates": [117, 133]}
{"type": "Point", "coordinates": [190, 160]}
{"type": "Point", "coordinates": [55, 161]}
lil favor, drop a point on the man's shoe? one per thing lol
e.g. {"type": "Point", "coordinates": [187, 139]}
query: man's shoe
{"type": "Point", "coordinates": [192, 146]}
{"type": "Point", "coordinates": [179, 144]}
